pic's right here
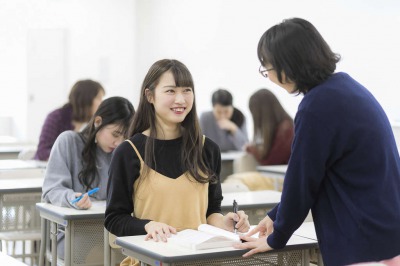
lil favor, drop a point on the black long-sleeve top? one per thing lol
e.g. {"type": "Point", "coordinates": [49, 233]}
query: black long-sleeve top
{"type": "Point", "coordinates": [125, 169]}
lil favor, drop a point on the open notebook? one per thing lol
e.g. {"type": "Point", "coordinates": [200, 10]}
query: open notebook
{"type": "Point", "coordinates": [206, 237]}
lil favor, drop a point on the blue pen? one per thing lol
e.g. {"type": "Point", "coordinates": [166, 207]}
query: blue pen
{"type": "Point", "coordinates": [90, 192]}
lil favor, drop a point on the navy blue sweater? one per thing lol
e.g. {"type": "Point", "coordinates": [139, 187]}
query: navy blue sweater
{"type": "Point", "coordinates": [345, 167]}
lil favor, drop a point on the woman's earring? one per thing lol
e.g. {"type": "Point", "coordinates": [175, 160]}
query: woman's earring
{"type": "Point", "coordinates": [95, 140]}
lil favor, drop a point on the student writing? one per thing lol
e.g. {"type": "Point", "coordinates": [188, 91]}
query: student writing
{"type": "Point", "coordinates": [79, 162]}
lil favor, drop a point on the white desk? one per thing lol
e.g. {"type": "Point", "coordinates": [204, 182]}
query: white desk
{"type": "Point", "coordinates": [21, 164]}
{"type": "Point", "coordinates": [9, 261]}
{"type": "Point", "coordinates": [254, 203]}
{"type": "Point", "coordinates": [160, 253]}
{"type": "Point", "coordinates": [84, 237]}
{"type": "Point", "coordinates": [274, 171]}
{"type": "Point", "coordinates": [227, 159]}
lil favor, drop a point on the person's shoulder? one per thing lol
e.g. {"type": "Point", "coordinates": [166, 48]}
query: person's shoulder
{"type": "Point", "coordinates": [126, 146]}
{"type": "Point", "coordinates": [68, 136]}
{"type": "Point", "coordinates": [59, 112]}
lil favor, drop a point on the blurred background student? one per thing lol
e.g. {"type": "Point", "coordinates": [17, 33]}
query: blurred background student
{"type": "Point", "coordinates": [273, 129]}
{"type": "Point", "coordinates": [83, 101]}
{"type": "Point", "coordinates": [225, 124]}
{"type": "Point", "coordinates": [79, 161]}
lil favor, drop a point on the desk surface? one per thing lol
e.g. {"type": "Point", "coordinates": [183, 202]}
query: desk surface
{"type": "Point", "coordinates": [231, 155]}
{"type": "Point", "coordinates": [95, 212]}
{"type": "Point", "coordinates": [15, 164]}
{"type": "Point", "coordinates": [168, 253]}
{"type": "Point", "coordinates": [276, 169]}
{"type": "Point", "coordinates": [251, 199]}
{"type": "Point", "coordinates": [21, 185]}
{"type": "Point", "coordinates": [22, 173]}
{"type": "Point", "coordinates": [9, 261]}
{"type": "Point", "coordinates": [307, 230]}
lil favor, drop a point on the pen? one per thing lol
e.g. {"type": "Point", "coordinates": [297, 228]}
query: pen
{"type": "Point", "coordinates": [90, 192]}
{"type": "Point", "coordinates": [235, 210]}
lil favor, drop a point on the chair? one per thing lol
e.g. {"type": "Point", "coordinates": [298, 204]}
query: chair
{"type": "Point", "coordinates": [246, 163]}
{"type": "Point", "coordinates": [112, 252]}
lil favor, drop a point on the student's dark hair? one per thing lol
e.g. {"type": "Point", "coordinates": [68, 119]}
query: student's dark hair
{"type": "Point", "coordinates": [114, 110]}
{"type": "Point", "coordinates": [224, 98]}
{"type": "Point", "coordinates": [295, 48]}
{"type": "Point", "coordinates": [81, 99]}
{"type": "Point", "coordinates": [145, 118]}
{"type": "Point", "coordinates": [268, 114]}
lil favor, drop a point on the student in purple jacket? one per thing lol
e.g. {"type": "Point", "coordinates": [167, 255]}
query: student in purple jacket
{"type": "Point", "coordinates": [83, 101]}
{"type": "Point", "coordinates": [344, 164]}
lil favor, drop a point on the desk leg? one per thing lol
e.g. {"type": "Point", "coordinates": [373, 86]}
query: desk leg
{"type": "Point", "coordinates": [42, 242]}
{"type": "Point", "coordinates": [53, 236]}
{"type": "Point", "coordinates": [68, 245]}
{"type": "Point", "coordinates": [305, 257]}
{"type": "Point", "coordinates": [107, 249]}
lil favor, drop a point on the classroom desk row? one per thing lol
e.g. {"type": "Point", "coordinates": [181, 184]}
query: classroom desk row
{"type": "Point", "coordinates": [153, 253]}
{"type": "Point", "coordinates": [84, 238]}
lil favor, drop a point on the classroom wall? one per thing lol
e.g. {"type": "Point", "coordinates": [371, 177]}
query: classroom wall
{"type": "Point", "coordinates": [46, 45]}
{"type": "Point", "coordinates": [217, 40]}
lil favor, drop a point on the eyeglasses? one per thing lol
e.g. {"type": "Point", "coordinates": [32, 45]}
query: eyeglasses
{"type": "Point", "coordinates": [264, 72]}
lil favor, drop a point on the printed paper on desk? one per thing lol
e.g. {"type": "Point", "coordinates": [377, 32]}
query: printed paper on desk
{"type": "Point", "coordinates": [206, 237]}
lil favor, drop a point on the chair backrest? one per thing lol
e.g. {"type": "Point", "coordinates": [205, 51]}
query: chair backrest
{"type": "Point", "coordinates": [245, 163]}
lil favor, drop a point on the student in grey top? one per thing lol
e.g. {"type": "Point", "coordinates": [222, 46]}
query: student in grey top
{"type": "Point", "coordinates": [225, 124]}
{"type": "Point", "coordinates": [80, 161]}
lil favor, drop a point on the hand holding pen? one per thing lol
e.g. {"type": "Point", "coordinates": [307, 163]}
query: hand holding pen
{"type": "Point", "coordinates": [85, 203]}
{"type": "Point", "coordinates": [235, 210]}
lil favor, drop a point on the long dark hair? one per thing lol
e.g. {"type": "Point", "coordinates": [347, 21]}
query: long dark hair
{"type": "Point", "coordinates": [114, 110]}
{"type": "Point", "coordinates": [295, 48]}
{"type": "Point", "coordinates": [81, 99]}
{"type": "Point", "coordinates": [268, 114]}
{"type": "Point", "coordinates": [145, 118]}
{"type": "Point", "coordinates": [224, 98]}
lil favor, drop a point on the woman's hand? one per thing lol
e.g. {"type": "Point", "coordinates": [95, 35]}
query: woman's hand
{"type": "Point", "coordinates": [240, 217]}
{"type": "Point", "coordinates": [256, 245]}
{"type": "Point", "coordinates": [156, 230]}
{"type": "Point", "coordinates": [264, 228]}
{"type": "Point", "coordinates": [84, 203]}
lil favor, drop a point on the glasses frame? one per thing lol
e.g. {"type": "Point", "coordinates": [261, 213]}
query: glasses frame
{"type": "Point", "coordinates": [264, 71]}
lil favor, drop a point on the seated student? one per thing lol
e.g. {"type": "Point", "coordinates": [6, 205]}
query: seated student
{"type": "Point", "coordinates": [225, 124]}
{"type": "Point", "coordinates": [83, 101]}
{"type": "Point", "coordinates": [273, 129]}
{"type": "Point", "coordinates": [79, 162]}
{"type": "Point", "coordinates": [165, 178]}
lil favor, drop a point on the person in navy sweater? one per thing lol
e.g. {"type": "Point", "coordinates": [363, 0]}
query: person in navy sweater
{"type": "Point", "coordinates": [344, 164]}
